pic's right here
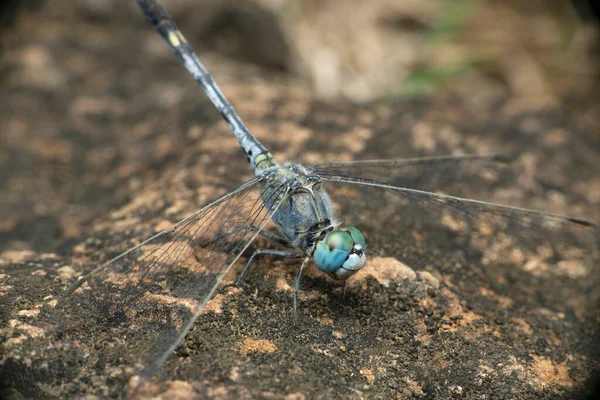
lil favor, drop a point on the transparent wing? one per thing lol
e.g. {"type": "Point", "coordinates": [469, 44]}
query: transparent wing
{"type": "Point", "coordinates": [148, 298]}
{"type": "Point", "coordinates": [426, 173]}
{"type": "Point", "coordinates": [490, 233]}
{"type": "Point", "coordinates": [419, 181]}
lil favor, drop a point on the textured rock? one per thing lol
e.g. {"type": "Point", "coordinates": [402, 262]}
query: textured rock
{"type": "Point", "coordinates": [106, 139]}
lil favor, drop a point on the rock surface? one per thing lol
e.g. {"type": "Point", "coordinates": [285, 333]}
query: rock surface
{"type": "Point", "coordinates": [105, 138]}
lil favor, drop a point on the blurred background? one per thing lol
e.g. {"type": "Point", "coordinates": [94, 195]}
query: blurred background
{"type": "Point", "coordinates": [536, 53]}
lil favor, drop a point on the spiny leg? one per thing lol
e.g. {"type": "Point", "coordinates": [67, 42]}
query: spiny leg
{"type": "Point", "coordinates": [251, 228]}
{"type": "Point", "coordinates": [297, 284]}
{"type": "Point", "coordinates": [274, 238]}
{"type": "Point", "coordinates": [271, 236]}
{"type": "Point", "coordinates": [343, 296]}
{"type": "Point", "coordinates": [279, 253]}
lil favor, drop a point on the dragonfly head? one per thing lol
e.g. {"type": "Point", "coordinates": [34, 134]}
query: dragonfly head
{"type": "Point", "coordinates": [341, 253]}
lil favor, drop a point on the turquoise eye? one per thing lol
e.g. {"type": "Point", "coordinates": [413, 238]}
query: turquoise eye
{"type": "Point", "coordinates": [341, 253]}
{"type": "Point", "coordinates": [357, 236]}
{"type": "Point", "coordinates": [333, 250]}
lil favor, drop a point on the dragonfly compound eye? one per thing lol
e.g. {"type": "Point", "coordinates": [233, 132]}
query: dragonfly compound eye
{"type": "Point", "coordinates": [341, 253]}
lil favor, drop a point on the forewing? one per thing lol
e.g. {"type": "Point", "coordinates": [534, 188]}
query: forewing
{"type": "Point", "coordinates": [425, 173]}
{"type": "Point", "coordinates": [434, 185]}
{"type": "Point", "coordinates": [146, 299]}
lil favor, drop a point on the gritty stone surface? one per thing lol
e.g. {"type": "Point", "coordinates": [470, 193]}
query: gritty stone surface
{"type": "Point", "coordinates": [123, 144]}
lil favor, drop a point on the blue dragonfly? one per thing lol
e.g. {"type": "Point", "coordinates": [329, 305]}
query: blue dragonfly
{"type": "Point", "coordinates": [189, 260]}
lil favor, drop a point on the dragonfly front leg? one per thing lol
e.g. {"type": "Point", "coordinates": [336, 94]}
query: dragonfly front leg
{"type": "Point", "coordinates": [271, 236]}
{"type": "Point", "coordinates": [297, 283]}
{"type": "Point", "coordinates": [274, 238]}
{"type": "Point", "coordinates": [279, 253]}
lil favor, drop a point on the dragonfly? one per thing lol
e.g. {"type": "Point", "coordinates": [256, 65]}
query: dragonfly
{"type": "Point", "coordinates": [162, 285]}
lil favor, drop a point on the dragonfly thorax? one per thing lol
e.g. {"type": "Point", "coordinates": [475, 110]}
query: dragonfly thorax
{"type": "Point", "coordinates": [305, 212]}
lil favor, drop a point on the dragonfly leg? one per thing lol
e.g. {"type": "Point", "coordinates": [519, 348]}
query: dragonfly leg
{"type": "Point", "coordinates": [343, 296]}
{"type": "Point", "coordinates": [297, 285]}
{"type": "Point", "coordinates": [278, 253]}
{"type": "Point", "coordinates": [271, 236]}
{"type": "Point", "coordinates": [274, 238]}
